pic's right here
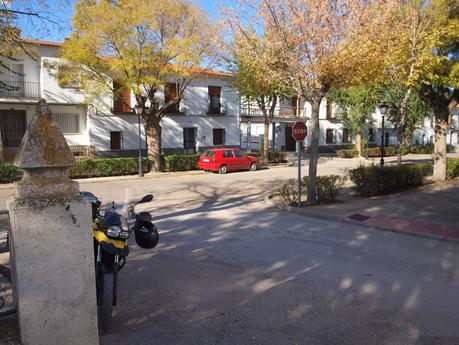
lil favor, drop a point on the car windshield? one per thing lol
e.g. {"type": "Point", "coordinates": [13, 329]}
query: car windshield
{"type": "Point", "coordinates": [209, 154]}
{"type": "Point", "coordinates": [240, 154]}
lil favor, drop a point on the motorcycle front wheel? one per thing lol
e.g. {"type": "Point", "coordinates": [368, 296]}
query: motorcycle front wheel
{"type": "Point", "coordinates": [105, 302]}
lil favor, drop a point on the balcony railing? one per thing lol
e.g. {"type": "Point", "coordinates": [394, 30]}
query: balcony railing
{"type": "Point", "coordinates": [282, 112]}
{"type": "Point", "coordinates": [19, 89]}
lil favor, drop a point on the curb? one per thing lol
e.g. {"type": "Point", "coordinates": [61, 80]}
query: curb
{"type": "Point", "coordinates": [341, 219]}
{"type": "Point", "coordinates": [125, 177]}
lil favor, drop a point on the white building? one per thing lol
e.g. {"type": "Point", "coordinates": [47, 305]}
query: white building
{"type": "Point", "coordinates": [110, 127]}
{"type": "Point", "coordinates": [333, 134]}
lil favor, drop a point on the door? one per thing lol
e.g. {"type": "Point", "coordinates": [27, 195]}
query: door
{"type": "Point", "coordinates": [189, 140]}
{"type": "Point", "coordinates": [13, 124]}
{"type": "Point", "coordinates": [230, 160]}
{"type": "Point", "coordinates": [290, 143]}
{"type": "Point", "coordinates": [243, 162]}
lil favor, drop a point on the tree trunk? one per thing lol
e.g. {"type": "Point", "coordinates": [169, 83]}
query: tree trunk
{"type": "Point", "coordinates": [266, 142]}
{"type": "Point", "coordinates": [440, 160]}
{"type": "Point", "coordinates": [358, 143]}
{"type": "Point", "coordinates": [314, 151]}
{"type": "Point", "coordinates": [153, 134]}
{"type": "Point", "coordinates": [402, 125]}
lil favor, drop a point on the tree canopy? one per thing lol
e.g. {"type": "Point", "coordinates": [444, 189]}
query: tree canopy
{"type": "Point", "coordinates": [141, 44]}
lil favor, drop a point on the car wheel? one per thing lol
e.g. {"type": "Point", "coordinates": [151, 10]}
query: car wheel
{"type": "Point", "coordinates": [253, 166]}
{"type": "Point", "coordinates": [222, 169]}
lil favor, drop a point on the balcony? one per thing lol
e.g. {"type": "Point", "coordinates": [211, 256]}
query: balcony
{"type": "Point", "coordinates": [282, 112]}
{"type": "Point", "coordinates": [19, 89]}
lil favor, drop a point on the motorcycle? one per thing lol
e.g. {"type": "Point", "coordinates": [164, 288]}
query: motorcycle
{"type": "Point", "coordinates": [111, 249]}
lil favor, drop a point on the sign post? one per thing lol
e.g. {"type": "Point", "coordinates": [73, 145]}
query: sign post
{"type": "Point", "coordinates": [299, 133]}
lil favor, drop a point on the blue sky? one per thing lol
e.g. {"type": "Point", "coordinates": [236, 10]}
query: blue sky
{"type": "Point", "coordinates": [61, 12]}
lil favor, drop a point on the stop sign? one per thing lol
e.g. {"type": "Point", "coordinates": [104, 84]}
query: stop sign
{"type": "Point", "coordinates": [299, 131]}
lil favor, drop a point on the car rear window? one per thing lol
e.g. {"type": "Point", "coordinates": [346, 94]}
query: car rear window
{"type": "Point", "coordinates": [209, 154]}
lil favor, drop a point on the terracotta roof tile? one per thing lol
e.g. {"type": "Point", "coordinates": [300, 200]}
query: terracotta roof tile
{"type": "Point", "coordinates": [203, 71]}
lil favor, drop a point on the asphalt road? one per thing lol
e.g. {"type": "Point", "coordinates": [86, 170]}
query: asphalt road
{"type": "Point", "coordinates": [230, 270]}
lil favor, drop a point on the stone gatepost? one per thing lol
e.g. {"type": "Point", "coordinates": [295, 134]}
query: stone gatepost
{"type": "Point", "coordinates": [51, 242]}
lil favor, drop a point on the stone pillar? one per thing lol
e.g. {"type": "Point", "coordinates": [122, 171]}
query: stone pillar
{"type": "Point", "coordinates": [51, 242]}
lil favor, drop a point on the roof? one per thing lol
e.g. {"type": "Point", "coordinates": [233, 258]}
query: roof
{"type": "Point", "coordinates": [200, 70]}
{"type": "Point", "coordinates": [41, 43]}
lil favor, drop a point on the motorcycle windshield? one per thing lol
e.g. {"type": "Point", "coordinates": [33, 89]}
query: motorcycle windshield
{"type": "Point", "coordinates": [112, 218]}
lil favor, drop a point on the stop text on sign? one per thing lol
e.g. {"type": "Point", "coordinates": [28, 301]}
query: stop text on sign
{"type": "Point", "coordinates": [299, 131]}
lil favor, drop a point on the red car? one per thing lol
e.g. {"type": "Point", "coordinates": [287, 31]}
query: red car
{"type": "Point", "coordinates": [223, 160]}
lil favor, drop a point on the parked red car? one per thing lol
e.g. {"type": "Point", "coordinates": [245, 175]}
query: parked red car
{"type": "Point", "coordinates": [223, 160]}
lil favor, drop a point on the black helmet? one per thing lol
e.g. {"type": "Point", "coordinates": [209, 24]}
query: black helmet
{"type": "Point", "coordinates": [146, 235]}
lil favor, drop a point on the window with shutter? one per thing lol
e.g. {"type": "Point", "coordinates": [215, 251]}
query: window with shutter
{"type": "Point", "coordinates": [121, 99]}
{"type": "Point", "coordinates": [218, 136]}
{"type": "Point", "coordinates": [214, 99]}
{"type": "Point", "coordinates": [330, 136]}
{"type": "Point", "coordinates": [170, 94]}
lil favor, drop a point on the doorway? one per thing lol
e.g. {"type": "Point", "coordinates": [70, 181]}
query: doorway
{"type": "Point", "coordinates": [13, 124]}
{"type": "Point", "coordinates": [290, 143]}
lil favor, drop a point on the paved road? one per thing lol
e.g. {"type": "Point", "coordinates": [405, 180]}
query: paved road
{"type": "Point", "coordinates": [230, 270]}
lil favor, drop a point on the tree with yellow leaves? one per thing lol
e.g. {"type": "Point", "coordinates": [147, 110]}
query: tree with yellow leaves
{"type": "Point", "coordinates": [256, 74]}
{"type": "Point", "coordinates": [140, 44]}
{"type": "Point", "coordinates": [318, 45]}
{"type": "Point", "coordinates": [425, 58]}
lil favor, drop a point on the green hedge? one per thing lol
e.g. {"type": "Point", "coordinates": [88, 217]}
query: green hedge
{"type": "Point", "coordinates": [8, 173]}
{"type": "Point", "coordinates": [391, 151]}
{"type": "Point", "coordinates": [181, 162]}
{"type": "Point", "coordinates": [274, 157]}
{"type": "Point", "coordinates": [85, 168]}
{"type": "Point", "coordinates": [453, 167]}
{"type": "Point", "coordinates": [377, 180]}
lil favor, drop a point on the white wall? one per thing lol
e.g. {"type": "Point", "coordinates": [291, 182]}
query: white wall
{"type": "Point", "coordinates": [173, 129]}
{"type": "Point", "coordinates": [100, 127]}
{"type": "Point", "coordinates": [81, 138]}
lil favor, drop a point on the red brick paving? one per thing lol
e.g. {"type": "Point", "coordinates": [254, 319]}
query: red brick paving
{"type": "Point", "coordinates": [412, 226]}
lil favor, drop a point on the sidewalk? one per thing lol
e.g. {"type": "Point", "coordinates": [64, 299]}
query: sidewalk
{"type": "Point", "coordinates": [428, 211]}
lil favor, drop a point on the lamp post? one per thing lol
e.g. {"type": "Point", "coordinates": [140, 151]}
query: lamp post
{"type": "Point", "coordinates": [383, 109]}
{"type": "Point", "coordinates": [138, 110]}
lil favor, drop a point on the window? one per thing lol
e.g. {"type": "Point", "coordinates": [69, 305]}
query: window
{"type": "Point", "coordinates": [346, 136]}
{"type": "Point", "coordinates": [121, 99]}
{"type": "Point", "coordinates": [294, 102]}
{"type": "Point", "coordinates": [219, 136]}
{"type": "Point", "coordinates": [371, 135]}
{"type": "Point", "coordinates": [227, 154]}
{"type": "Point", "coordinates": [116, 140]}
{"type": "Point", "coordinates": [240, 154]}
{"type": "Point", "coordinates": [330, 136]}
{"type": "Point", "coordinates": [214, 99]}
{"type": "Point", "coordinates": [189, 140]}
{"type": "Point", "coordinates": [170, 95]}
{"type": "Point", "coordinates": [209, 154]}
{"type": "Point", "coordinates": [330, 114]}
{"type": "Point", "coordinates": [69, 123]}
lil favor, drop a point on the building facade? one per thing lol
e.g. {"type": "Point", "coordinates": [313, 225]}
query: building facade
{"type": "Point", "coordinates": [207, 116]}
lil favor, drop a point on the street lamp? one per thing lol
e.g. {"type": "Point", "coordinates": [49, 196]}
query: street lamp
{"type": "Point", "coordinates": [383, 109]}
{"type": "Point", "coordinates": [138, 110]}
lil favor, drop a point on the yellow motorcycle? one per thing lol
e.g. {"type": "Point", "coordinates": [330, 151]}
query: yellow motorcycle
{"type": "Point", "coordinates": [111, 249]}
